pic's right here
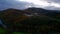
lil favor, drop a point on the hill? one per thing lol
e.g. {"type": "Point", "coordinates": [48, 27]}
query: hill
{"type": "Point", "coordinates": [31, 20]}
{"type": "Point", "coordinates": [39, 11]}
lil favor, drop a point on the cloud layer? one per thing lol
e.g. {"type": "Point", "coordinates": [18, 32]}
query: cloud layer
{"type": "Point", "coordinates": [4, 4]}
{"type": "Point", "coordinates": [46, 4]}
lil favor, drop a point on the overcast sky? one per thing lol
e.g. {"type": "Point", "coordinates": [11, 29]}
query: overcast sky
{"type": "Point", "coordinates": [23, 4]}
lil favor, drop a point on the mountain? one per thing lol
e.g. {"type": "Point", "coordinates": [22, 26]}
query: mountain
{"type": "Point", "coordinates": [34, 19]}
{"type": "Point", "coordinates": [13, 14]}
{"type": "Point", "coordinates": [39, 11]}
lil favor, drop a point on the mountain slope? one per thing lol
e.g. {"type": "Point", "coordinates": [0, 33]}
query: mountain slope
{"type": "Point", "coordinates": [39, 11]}
{"type": "Point", "coordinates": [16, 20]}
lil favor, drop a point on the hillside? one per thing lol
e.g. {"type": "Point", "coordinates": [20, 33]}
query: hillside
{"type": "Point", "coordinates": [50, 13]}
{"type": "Point", "coordinates": [40, 20]}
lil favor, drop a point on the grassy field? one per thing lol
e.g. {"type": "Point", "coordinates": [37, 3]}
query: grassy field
{"type": "Point", "coordinates": [3, 31]}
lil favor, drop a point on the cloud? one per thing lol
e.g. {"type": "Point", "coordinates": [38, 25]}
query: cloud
{"type": "Point", "coordinates": [53, 4]}
{"type": "Point", "coordinates": [55, 1]}
{"type": "Point", "coordinates": [4, 4]}
{"type": "Point", "coordinates": [47, 4]}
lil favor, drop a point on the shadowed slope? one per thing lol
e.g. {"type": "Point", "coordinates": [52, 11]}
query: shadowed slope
{"type": "Point", "coordinates": [16, 20]}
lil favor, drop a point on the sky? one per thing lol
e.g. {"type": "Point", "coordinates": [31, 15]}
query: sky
{"type": "Point", "coordinates": [23, 4]}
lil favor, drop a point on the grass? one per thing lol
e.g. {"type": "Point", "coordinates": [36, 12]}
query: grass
{"type": "Point", "coordinates": [19, 33]}
{"type": "Point", "coordinates": [3, 31]}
